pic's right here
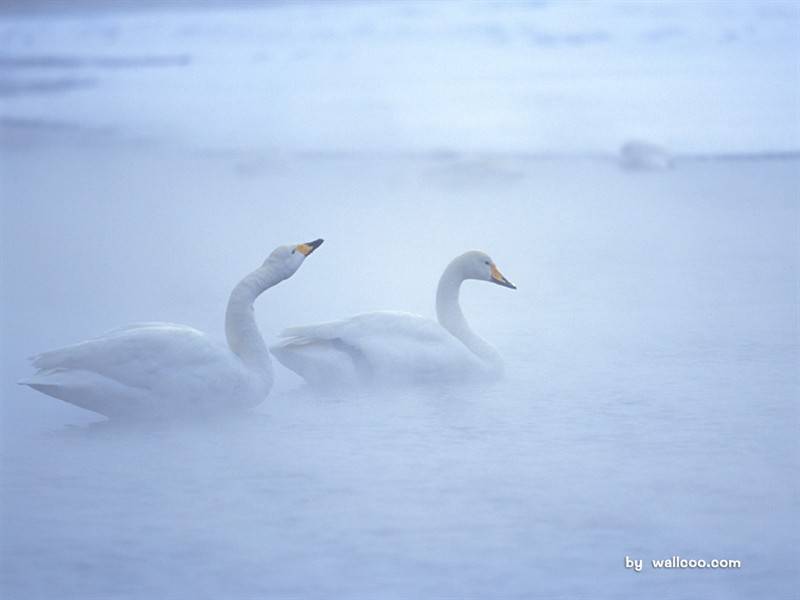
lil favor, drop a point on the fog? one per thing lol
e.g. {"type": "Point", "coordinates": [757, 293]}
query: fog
{"type": "Point", "coordinates": [150, 157]}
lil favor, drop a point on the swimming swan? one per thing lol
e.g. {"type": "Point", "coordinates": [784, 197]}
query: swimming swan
{"type": "Point", "coordinates": [164, 370]}
{"type": "Point", "coordinates": [395, 346]}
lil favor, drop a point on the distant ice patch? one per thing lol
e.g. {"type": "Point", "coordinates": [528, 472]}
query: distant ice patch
{"type": "Point", "coordinates": [465, 172]}
{"type": "Point", "coordinates": [644, 156]}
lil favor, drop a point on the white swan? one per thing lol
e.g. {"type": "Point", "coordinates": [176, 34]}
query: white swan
{"type": "Point", "coordinates": [395, 346]}
{"type": "Point", "coordinates": [165, 370]}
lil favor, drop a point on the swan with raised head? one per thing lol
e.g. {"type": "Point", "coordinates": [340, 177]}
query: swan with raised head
{"type": "Point", "coordinates": [398, 347]}
{"type": "Point", "coordinates": [167, 370]}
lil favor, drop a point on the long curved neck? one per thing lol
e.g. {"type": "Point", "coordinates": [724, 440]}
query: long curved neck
{"type": "Point", "coordinates": [244, 338]}
{"type": "Point", "coordinates": [448, 311]}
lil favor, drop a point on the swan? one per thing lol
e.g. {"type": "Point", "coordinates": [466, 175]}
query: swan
{"type": "Point", "coordinates": [157, 370]}
{"type": "Point", "coordinates": [398, 347]}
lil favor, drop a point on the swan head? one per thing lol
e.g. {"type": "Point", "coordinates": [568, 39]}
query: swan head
{"type": "Point", "coordinates": [287, 259]}
{"type": "Point", "coordinates": [479, 265]}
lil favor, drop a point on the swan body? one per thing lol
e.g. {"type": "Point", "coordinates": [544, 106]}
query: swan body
{"type": "Point", "coordinates": [386, 346]}
{"type": "Point", "coordinates": [148, 368]}
{"type": "Point", "coordinates": [165, 370]}
{"type": "Point", "coordinates": [398, 347]}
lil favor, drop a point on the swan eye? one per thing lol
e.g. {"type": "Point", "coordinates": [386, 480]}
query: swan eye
{"type": "Point", "coordinates": [293, 251]}
{"type": "Point", "coordinates": [486, 262]}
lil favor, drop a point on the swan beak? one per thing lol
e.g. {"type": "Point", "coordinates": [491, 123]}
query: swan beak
{"type": "Point", "coordinates": [499, 279]}
{"type": "Point", "coordinates": [309, 247]}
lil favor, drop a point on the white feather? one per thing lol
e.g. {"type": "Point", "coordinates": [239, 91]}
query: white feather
{"type": "Point", "coordinates": [164, 370]}
{"type": "Point", "coordinates": [397, 347]}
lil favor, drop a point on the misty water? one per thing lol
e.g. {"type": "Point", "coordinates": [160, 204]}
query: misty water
{"type": "Point", "coordinates": [649, 406]}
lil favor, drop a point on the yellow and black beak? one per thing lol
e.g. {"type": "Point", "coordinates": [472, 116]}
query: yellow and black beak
{"type": "Point", "coordinates": [309, 247]}
{"type": "Point", "coordinates": [499, 279]}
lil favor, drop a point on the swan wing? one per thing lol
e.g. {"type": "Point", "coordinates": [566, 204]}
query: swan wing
{"type": "Point", "coordinates": [385, 345]}
{"type": "Point", "coordinates": [366, 325]}
{"type": "Point", "coordinates": [140, 356]}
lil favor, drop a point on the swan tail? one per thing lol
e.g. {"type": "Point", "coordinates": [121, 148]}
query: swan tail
{"type": "Point", "coordinates": [45, 360]}
{"type": "Point", "coordinates": [55, 359]}
{"type": "Point", "coordinates": [85, 389]}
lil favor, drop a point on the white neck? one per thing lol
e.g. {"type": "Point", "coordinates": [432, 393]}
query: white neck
{"type": "Point", "coordinates": [448, 311]}
{"type": "Point", "coordinates": [244, 338]}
